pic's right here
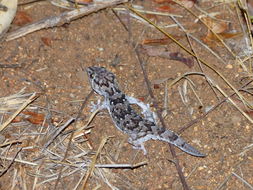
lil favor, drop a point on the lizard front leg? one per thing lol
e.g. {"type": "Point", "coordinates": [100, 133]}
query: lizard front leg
{"type": "Point", "coordinates": [98, 106]}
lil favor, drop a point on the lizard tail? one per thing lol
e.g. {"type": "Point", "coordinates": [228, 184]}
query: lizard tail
{"type": "Point", "coordinates": [173, 138]}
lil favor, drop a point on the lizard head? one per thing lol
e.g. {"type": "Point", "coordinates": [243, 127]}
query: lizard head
{"type": "Point", "coordinates": [102, 81]}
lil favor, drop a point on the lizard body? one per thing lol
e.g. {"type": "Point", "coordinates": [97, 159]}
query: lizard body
{"type": "Point", "coordinates": [126, 119]}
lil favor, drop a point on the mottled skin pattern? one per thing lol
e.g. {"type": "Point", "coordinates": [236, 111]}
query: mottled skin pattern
{"type": "Point", "coordinates": [125, 118]}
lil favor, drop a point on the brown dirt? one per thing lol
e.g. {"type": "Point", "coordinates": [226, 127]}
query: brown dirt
{"type": "Point", "coordinates": [98, 39]}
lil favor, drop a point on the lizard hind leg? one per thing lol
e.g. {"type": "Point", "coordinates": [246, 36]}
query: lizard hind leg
{"type": "Point", "coordinates": [137, 144]}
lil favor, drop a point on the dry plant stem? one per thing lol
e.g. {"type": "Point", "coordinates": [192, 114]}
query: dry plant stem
{"type": "Point", "coordinates": [172, 150]}
{"type": "Point", "coordinates": [61, 19]}
{"type": "Point", "coordinates": [22, 107]}
{"type": "Point", "coordinates": [191, 53]}
{"type": "Point", "coordinates": [243, 180]}
{"type": "Point", "coordinates": [89, 121]}
{"type": "Point", "coordinates": [92, 165]}
{"type": "Point", "coordinates": [216, 35]}
{"type": "Point", "coordinates": [150, 12]}
{"type": "Point", "coordinates": [19, 161]}
{"type": "Point", "coordinates": [192, 122]}
{"type": "Point", "coordinates": [12, 161]}
{"type": "Point", "coordinates": [29, 2]}
{"type": "Point", "coordinates": [63, 127]}
{"type": "Point", "coordinates": [2, 65]}
{"type": "Point", "coordinates": [248, 23]}
{"type": "Point", "coordinates": [179, 169]}
{"type": "Point", "coordinates": [71, 137]}
{"type": "Point", "coordinates": [10, 142]}
{"type": "Point", "coordinates": [197, 57]}
{"type": "Point", "coordinates": [119, 166]}
{"type": "Point", "coordinates": [218, 88]}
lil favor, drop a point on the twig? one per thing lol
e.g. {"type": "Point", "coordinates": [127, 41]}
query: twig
{"type": "Point", "coordinates": [191, 53]}
{"type": "Point", "coordinates": [63, 127]}
{"type": "Point", "coordinates": [61, 19]}
{"type": "Point", "coordinates": [2, 65]}
{"type": "Point", "coordinates": [192, 122]}
{"type": "Point", "coordinates": [22, 107]}
{"type": "Point", "coordinates": [115, 166]}
{"type": "Point", "coordinates": [10, 142]}
{"type": "Point", "coordinates": [92, 165]}
{"type": "Point", "coordinates": [71, 136]}
{"type": "Point", "coordinates": [178, 167]}
{"type": "Point", "coordinates": [150, 12]}
{"type": "Point", "coordinates": [243, 180]}
{"type": "Point", "coordinates": [12, 161]}
{"type": "Point", "coordinates": [19, 161]}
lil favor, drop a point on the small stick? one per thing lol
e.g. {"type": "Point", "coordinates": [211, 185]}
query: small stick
{"type": "Point", "coordinates": [92, 165]}
{"type": "Point", "coordinates": [61, 19]}
{"type": "Point", "coordinates": [243, 180]}
{"type": "Point", "coordinates": [19, 161]}
{"type": "Point", "coordinates": [115, 166]}
{"type": "Point", "coordinates": [192, 122]}
{"type": "Point", "coordinates": [2, 65]}
{"type": "Point", "coordinates": [25, 104]}
{"type": "Point", "coordinates": [151, 94]}
{"type": "Point", "coordinates": [63, 127]}
{"type": "Point", "coordinates": [71, 137]}
{"type": "Point", "coordinates": [12, 161]}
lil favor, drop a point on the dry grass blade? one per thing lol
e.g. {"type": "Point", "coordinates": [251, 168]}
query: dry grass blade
{"type": "Point", "coordinates": [243, 180]}
{"type": "Point", "coordinates": [248, 21]}
{"type": "Point", "coordinates": [215, 34]}
{"type": "Point", "coordinates": [21, 108]}
{"type": "Point", "coordinates": [12, 161]}
{"type": "Point", "coordinates": [150, 12]}
{"type": "Point", "coordinates": [92, 165]}
{"type": "Point", "coordinates": [89, 121]}
{"type": "Point", "coordinates": [63, 127]}
{"type": "Point", "coordinates": [61, 19]}
{"type": "Point", "coordinates": [151, 94]}
{"type": "Point", "coordinates": [191, 53]}
{"type": "Point", "coordinates": [126, 166]}
{"type": "Point", "coordinates": [217, 87]}
{"type": "Point", "coordinates": [10, 142]}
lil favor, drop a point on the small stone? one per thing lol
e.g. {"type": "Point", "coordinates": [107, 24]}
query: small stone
{"type": "Point", "coordinates": [200, 168]}
{"type": "Point", "coordinates": [100, 49]}
{"type": "Point", "coordinates": [229, 66]}
{"type": "Point", "coordinates": [71, 95]}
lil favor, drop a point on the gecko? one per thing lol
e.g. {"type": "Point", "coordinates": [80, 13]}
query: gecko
{"type": "Point", "coordinates": [139, 128]}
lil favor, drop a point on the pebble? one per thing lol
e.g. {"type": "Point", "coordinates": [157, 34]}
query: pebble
{"type": "Point", "coordinates": [229, 66]}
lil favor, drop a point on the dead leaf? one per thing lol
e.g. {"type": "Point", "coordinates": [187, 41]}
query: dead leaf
{"type": "Point", "coordinates": [220, 28]}
{"type": "Point", "coordinates": [216, 26]}
{"type": "Point", "coordinates": [34, 118]}
{"type": "Point", "coordinates": [47, 41]}
{"type": "Point", "coordinates": [82, 2]}
{"type": "Point", "coordinates": [17, 119]}
{"type": "Point", "coordinates": [164, 8]}
{"type": "Point", "coordinates": [156, 86]}
{"type": "Point", "coordinates": [164, 53]}
{"type": "Point", "coordinates": [142, 99]}
{"type": "Point", "coordinates": [164, 1]}
{"type": "Point", "coordinates": [22, 18]}
{"type": "Point", "coordinates": [189, 61]}
{"type": "Point", "coordinates": [188, 3]}
{"type": "Point", "coordinates": [161, 41]}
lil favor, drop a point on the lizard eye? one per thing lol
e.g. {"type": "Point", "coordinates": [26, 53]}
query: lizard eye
{"type": "Point", "coordinates": [91, 75]}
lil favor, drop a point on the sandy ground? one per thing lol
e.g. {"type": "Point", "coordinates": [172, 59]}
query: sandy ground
{"type": "Point", "coordinates": [56, 72]}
